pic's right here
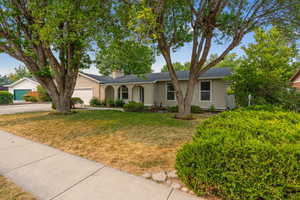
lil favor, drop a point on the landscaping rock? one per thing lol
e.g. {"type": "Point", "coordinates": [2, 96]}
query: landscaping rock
{"type": "Point", "coordinates": [146, 175]}
{"type": "Point", "coordinates": [184, 189]}
{"type": "Point", "coordinates": [159, 177]}
{"type": "Point", "coordinates": [172, 174]}
{"type": "Point", "coordinates": [169, 182]}
{"type": "Point", "coordinates": [176, 186]}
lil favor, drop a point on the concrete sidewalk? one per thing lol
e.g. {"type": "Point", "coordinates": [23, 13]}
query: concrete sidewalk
{"type": "Point", "coordinates": [51, 174]}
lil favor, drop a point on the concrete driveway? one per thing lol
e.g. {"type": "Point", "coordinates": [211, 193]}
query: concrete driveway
{"type": "Point", "coordinates": [20, 108]}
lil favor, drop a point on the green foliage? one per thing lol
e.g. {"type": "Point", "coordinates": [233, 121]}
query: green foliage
{"type": "Point", "coordinates": [178, 67]}
{"type": "Point", "coordinates": [247, 154]}
{"type": "Point", "coordinates": [172, 109]}
{"type": "Point", "coordinates": [130, 56]}
{"type": "Point", "coordinates": [20, 72]}
{"type": "Point", "coordinates": [134, 107]}
{"type": "Point", "coordinates": [6, 97]}
{"type": "Point", "coordinates": [75, 101]}
{"type": "Point", "coordinates": [95, 102]}
{"type": "Point", "coordinates": [119, 103]}
{"type": "Point", "coordinates": [30, 98]}
{"type": "Point", "coordinates": [212, 108]}
{"type": "Point", "coordinates": [43, 94]}
{"type": "Point", "coordinates": [4, 80]}
{"type": "Point", "coordinates": [231, 60]}
{"type": "Point", "coordinates": [196, 109]}
{"type": "Point", "coordinates": [110, 103]}
{"type": "Point", "coordinates": [265, 70]}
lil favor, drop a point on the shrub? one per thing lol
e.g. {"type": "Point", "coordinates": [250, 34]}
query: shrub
{"type": "Point", "coordinates": [134, 107]}
{"type": "Point", "coordinates": [110, 103]}
{"type": "Point", "coordinates": [119, 103]}
{"type": "Point", "coordinates": [6, 97]}
{"type": "Point", "coordinates": [31, 96]}
{"type": "Point", "coordinates": [75, 101]}
{"type": "Point", "coordinates": [195, 109]}
{"type": "Point", "coordinates": [95, 102]}
{"type": "Point", "coordinates": [43, 95]}
{"type": "Point", "coordinates": [212, 108]}
{"type": "Point", "coordinates": [244, 154]}
{"type": "Point", "coordinates": [172, 109]}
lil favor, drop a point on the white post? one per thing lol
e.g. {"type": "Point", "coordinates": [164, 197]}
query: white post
{"type": "Point", "coordinates": [249, 99]}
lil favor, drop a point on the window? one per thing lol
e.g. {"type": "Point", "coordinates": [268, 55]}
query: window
{"type": "Point", "coordinates": [170, 92]}
{"type": "Point", "coordinates": [123, 92]}
{"type": "Point", "coordinates": [205, 91]}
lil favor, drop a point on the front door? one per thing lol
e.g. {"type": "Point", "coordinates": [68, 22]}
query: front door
{"type": "Point", "coordinates": [142, 93]}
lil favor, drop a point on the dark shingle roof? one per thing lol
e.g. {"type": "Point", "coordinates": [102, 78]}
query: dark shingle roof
{"type": "Point", "coordinates": [99, 78]}
{"type": "Point", "coordinates": [165, 76]}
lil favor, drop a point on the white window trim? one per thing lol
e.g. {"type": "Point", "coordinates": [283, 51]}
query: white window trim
{"type": "Point", "coordinates": [211, 88]}
{"type": "Point", "coordinates": [175, 99]}
{"type": "Point", "coordinates": [121, 92]}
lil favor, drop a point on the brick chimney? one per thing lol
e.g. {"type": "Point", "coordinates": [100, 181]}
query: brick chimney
{"type": "Point", "coordinates": [117, 73]}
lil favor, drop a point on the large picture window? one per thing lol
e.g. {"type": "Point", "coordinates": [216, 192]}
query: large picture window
{"type": "Point", "coordinates": [205, 90]}
{"type": "Point", "coordinates": [123, 92]}
{"type": "Point", "coordinates": [170, 92]}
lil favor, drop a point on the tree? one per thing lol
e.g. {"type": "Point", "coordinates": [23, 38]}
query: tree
{"type": "Point", "coordinates": [52, 39]}
{"type": "Point", "coordinates": [20, 72]}
{"type": "Point", "coordinates": [171, 24]}
{"type": "Point", "coordinates": [177, 67]}
{"type": "Point", "coordinates": [230, 60]}
{"type": "Point", "coordinates": [4, 80]}
{"type": "Point", "coordinates": [265, 70]}
{"type": "Point", "coordinates": [130, 56]}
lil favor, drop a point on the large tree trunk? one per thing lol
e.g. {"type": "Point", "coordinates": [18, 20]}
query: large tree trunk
{"type": "Point", "coordinates": [184, 105]}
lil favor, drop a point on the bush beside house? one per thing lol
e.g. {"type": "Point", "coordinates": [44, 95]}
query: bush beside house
{"type": "Point", "coordinates": [245, 154]}
{"type": "Point", "coordinates": [6, 97]}
{"type": "Point", "coordinates": [134, 107]}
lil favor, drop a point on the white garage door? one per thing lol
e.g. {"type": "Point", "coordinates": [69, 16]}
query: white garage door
{"type": "Point", "coordinates": [86, 94]}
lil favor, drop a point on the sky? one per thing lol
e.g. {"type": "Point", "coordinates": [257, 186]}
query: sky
{"type": "Point", "coordinates": [7, 63]}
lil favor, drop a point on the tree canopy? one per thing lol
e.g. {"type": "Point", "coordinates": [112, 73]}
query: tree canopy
{"type": "Point", "coordinates": [177, 67]}
{"type": "Point", "coordinates": [20, 72]}
{"type": "Point", "coordinates": [171, 24]}
{"type": "Point", "coordinates": [52, 39]}
{"type": "Point", "coordinates": [266, 69]}
{"type": "Point", "coordinates": [129, 56]}
{"type": "Point", "coordinates": [4, 80]}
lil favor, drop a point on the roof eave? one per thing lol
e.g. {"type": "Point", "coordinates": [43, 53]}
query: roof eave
{"type": "Point", "coordinates": [88, 77]}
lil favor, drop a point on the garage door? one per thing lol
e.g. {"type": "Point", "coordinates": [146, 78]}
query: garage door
{"type": "Point", "coordinates": [18, 94]}
{"type": "Point", "coordinates": [86, 94]}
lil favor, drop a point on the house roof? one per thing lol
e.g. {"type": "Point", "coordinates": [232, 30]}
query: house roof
{"type": "Point", "coordinates": [21, 80]}
{"type": "Point", "coordinates": [214, 73]}
{"type": "Point", "coordinates": [295, 75]}
{"type": "Point", "coordinates": [97, 78]}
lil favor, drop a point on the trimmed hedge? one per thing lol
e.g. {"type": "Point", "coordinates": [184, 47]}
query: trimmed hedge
{"type": "Point", "coordinates": [244, 154]}
{"type": "Point", "coordinates": [134, 107]}
{"type": "Point", "coordinates": [6, 97]}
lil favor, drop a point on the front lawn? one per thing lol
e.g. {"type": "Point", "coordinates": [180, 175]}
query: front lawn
{"type": "Point", "coordinates": [134, 142]}
{"type": "Point", "coordinates": [9, 191]}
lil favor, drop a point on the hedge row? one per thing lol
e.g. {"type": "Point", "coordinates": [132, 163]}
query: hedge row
{"type": "Point", "coordinates": [244, 154]}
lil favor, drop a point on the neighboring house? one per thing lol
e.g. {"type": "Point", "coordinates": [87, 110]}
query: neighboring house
{"type": "Point", "coordinates": [295, 80]}
{"type": "Point", "coordinates": [3, 88]}
{"type": "Point", "coordinates": [150, 89]}
{"type": "Point", "coordinates": [22, 87]}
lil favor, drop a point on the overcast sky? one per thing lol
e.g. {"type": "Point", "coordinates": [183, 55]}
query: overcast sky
{"type": "Point", "coordinates": [7, 64]}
